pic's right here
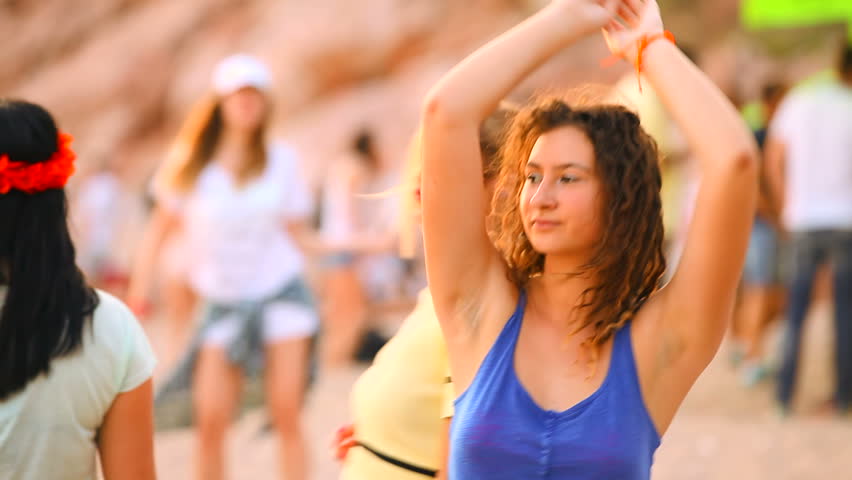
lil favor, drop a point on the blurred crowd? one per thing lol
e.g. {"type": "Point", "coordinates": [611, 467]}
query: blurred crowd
{"type": "Point", "coordinates": [800, 249]}
{"type": "Point", "coordinates": [248, 264]}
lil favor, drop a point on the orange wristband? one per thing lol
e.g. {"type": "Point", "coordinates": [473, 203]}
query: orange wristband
{"type": "Point", "coordinates": [643, 43]}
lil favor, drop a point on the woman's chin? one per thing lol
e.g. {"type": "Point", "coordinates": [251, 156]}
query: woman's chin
{"type": "Point", "coordinates": [547, 246]}
{"type": "Point", "coordinates": [555, 247]}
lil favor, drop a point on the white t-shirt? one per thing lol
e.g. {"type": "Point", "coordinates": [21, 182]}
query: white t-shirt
{"type": "Point", "coordinates": [236, 239]}
{"type": "Point", "coordinates": [815, 124]}
{"type": "Point", "coordinates": [339, 223]}
{"type": "Point", "coordinates": [47, 430]}
{"type": "Point", "coordinates": [105, 220]}
{"type": "Point", "coordinates": [96, 204]}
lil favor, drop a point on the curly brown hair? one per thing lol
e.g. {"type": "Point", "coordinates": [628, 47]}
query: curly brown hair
{"type": "Point", "coordinates": [628, 261]}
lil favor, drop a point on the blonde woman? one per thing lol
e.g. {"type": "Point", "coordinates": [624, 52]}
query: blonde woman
{"type": "Point", "coordinates": [402, 404]}
{"type": "Point", "coordinates": [242, 205]}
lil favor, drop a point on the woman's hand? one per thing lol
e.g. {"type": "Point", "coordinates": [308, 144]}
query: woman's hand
{"type": "Point", "coordinates": [140, 306]}
{"type": "Point", "coordinates": [344, 439]}
{"type": "Point", "coordinates": [585, 16]}
{"type": "Point", "coordinates": [636, 18]}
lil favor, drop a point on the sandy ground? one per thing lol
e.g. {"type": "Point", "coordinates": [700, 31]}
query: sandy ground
{"type": "Point", "coordinates": [723, 431]}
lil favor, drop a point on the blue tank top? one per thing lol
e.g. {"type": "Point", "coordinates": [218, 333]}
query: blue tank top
{"type": "Point", "coordinates": [499, 432]}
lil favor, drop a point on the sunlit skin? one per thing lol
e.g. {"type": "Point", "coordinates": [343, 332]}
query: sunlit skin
{"type": "Point", "coordinates": [562, 207]}
{"type": "Point", "coordinates": [244, 110]}
{"type": "Point", "coordinates": [560, 202]}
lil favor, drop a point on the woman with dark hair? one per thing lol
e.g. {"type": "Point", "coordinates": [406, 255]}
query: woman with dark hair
{"type": "Point", "coordinates": [342, 230]}
{"type": "Point", "coordinates": [75, 366]}
{"type": "Point", "coordinates": [569, 363]}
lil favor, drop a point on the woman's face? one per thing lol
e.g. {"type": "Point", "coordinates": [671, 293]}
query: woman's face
{"type": "Point", "coordinates": [560, 202]}
{"type": "Point", "coordinates": [244, 109]}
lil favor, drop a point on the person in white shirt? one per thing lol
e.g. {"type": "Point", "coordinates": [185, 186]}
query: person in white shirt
{"type": "Point", "coordinates": [243, 208]}
{"type": "Point", "coordinates": [75, 365]}
{"type": "Point", "coordinates": [344, 233]}
{"type": "Point", "coordinates": [809, 162]}
{"type": "Point", "coordinates": [95, 216]}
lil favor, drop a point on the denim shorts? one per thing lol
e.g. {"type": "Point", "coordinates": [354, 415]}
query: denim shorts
{"type": "Point", "coordinates": [762, 265]}
{"type": "Point", "coordinates": [337, 260]}
{"type": "Point", "coordinates": [291, 317]}
{"type": "Point", "coordinates": [816, 247]}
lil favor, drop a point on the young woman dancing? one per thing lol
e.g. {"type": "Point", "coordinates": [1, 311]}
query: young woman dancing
{"type": "Point", "coordinates": [569, 362]}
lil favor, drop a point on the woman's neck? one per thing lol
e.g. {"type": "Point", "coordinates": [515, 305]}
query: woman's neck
{"type": "Point", "coordinates": [559, 289]}
{"type": "Point", "coordinates": [232, 150]}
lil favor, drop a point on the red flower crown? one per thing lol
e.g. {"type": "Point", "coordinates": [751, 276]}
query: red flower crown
{"type": "Point", "coordinates": [38, 177]}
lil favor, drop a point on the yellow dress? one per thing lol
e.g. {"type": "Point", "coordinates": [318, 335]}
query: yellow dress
{"type": "Point", "coordinates": [400, 402]}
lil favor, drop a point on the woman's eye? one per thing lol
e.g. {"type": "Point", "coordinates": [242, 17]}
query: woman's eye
{"type": "Point", "coordinates": [568, 179]}
{"type": "Point", "coordinates": [533, 177]}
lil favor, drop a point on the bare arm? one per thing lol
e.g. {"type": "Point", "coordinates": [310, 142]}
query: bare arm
{"type": "Point", "coordinates": [698, 301]}
{"type": "Point", "coordinates": [443, 474]}
{"type": "Point", "coordinates": [161, 226]}
{"type": "Point", "coordinates": [774, 153]}
{"type": "Point", "coordinates": [126, 438]}
{"type": "Point", "coordinates": [305, 237]}
{"type": "Point", "coordinates": [459, 256]}
{"type": "Point", "coordinates": [679, 330]}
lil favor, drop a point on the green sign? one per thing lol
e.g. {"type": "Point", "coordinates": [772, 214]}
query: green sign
{"type": "Point", "coordinates": [757, 14]}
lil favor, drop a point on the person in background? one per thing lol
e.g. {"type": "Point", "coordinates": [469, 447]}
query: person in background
{"type": "Point", "coordinates": [75, 365]}
{"type": "Point", "coordinates": [761, 291]}
{"type": "Point", "coordinates": [243, 207]}
{"type": "Point", "coordinates": [342, 233]}
{"type": "Point", "coordinates": [95, 218]}
{"type": "Point", "coordinates": [809, 161]}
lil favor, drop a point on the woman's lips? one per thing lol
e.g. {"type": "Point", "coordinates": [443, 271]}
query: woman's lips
{"type": "Point", "coordinates": [542, 224]}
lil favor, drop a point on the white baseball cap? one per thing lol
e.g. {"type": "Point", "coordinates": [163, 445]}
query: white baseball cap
{"type": "Point", "coordinates": [240, 71]}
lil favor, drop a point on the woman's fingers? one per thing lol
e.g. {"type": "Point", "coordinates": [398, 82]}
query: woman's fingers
{"type": "Point", "coordinates": [628, 15]}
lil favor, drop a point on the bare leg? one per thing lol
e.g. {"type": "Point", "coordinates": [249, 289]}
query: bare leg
{"type": "Point", "coordinates": [216, 390]}
{"type": "Point", "coordinates": [344, 316]}
{"type": "Point", "coordinates": [286, 378]}
{"type": "Point", "coordinates": [756, 310]}
{"type": "Point", "coordinates": [179, 311]}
